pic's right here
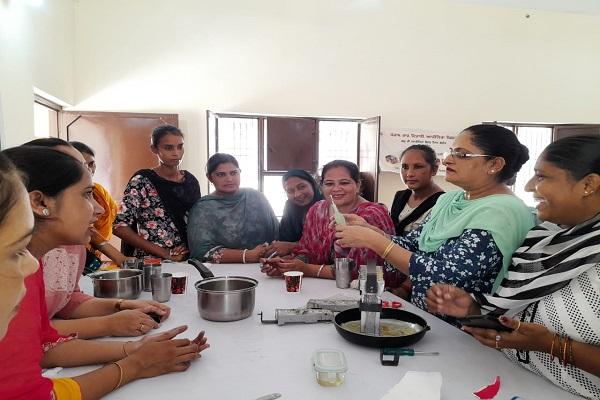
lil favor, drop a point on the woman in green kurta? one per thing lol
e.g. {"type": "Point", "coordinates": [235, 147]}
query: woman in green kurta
{"type": "Point", "coordinates": [231, 224]}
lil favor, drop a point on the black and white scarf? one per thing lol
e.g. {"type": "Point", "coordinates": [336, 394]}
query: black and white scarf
{"type": "Point", "coordinates": [549, 258]}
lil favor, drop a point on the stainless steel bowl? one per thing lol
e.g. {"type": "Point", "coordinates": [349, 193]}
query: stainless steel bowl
{"type": "Point", "coordinates": [226, 298]}
{"type": "Point", "coordinates": [122, 284]}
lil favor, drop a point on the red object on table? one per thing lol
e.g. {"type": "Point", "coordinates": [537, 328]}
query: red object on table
{"type": "Point", "coordinates": [490, 391]}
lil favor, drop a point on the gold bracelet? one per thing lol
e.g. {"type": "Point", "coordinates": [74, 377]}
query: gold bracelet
{"type": "Point", "coordinates": [120, 375]}
{"type": "Point", "coordinates": [552, 347]}
{"type": "Point", "coordinates": [118, 305]}
{"type": "Point", "coordinates": [125, 348]}
{"type": "Point", "coordinates": [564, 352]}
{"type": "Point", "coordinates": [320, 269]}
{"type": "Point", "coordinates": [388, 249]}
{"type": "Point", "coordinates": [571, 351]}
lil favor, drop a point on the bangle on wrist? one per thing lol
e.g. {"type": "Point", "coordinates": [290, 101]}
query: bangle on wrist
{"type": "Point", "coordinates": [388, 249]}
{"type": "Point", "coordinates": [120, 375]}
{"type": "Point", "coordinates": [244, 256]}
{"type": "Point", "coordinates": [320, 269]}
{"type": "Point", "coordinates": [119, 305]}
{"type": "Point", "coordinates": [125, 349]}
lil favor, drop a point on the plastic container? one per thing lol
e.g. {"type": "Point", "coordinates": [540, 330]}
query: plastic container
{"type": "Point", "coordinates": [330, 367]}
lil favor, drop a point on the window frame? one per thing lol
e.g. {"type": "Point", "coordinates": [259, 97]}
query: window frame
{"type": "Point", "coordinates": [52, 106]}
{"type": "Point", "coordinates": [262, 120]}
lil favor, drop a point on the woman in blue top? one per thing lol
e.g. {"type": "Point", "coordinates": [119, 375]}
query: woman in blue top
{"type": "Point", "coordinates": [471, 234]}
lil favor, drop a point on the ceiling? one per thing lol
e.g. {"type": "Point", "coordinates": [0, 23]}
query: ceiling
{"type": "Point", "coordinates": [591, 7]}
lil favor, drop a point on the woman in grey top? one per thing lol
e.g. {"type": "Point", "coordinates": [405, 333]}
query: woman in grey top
{"type": "Point", "coordinates": [230, 225]}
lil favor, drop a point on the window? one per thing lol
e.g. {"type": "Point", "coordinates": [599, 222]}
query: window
{"type": "Point", "coordinates": [267, 146]}
{"type": "Point", "coordinates": [338, 141]}
{"type": "Point", "coordinates": [45, 118]}
{"type": "Point", "coordinates": [239, 137]}
{"type": "Point", "coordinates": [535, 138]}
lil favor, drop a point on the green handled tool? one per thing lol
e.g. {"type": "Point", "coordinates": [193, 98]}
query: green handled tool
{"type": "Point", "coordinates": [396, 352]}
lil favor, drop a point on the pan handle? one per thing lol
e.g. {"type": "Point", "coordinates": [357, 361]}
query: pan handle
{"type": "Point", "coordinates": [202, 269]}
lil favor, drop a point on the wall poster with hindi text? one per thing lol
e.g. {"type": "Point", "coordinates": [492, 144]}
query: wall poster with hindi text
{"type": "Point", "coordinates": [394, 143]}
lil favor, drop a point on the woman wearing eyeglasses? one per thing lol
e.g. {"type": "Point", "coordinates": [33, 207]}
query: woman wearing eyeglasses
{"type": "Point", "coordinates": [152, 217]}
{"type": "Point", "coordinates": [232, 224]}
{"type": "Point", "coordinates": [471, 233]}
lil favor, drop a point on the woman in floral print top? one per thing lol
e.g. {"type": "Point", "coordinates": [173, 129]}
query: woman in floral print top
{"type": "Point", "coordinates": [152, 217]}
{"type": "Point", "coordinates": [469, 238]}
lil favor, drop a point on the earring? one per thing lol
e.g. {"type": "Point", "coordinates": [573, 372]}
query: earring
{"type": "Point", "coordinates": [45, 212]}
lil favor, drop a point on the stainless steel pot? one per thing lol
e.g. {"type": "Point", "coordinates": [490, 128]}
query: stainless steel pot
{"type": "Point", "coordinates": [224, 298]}
{"type": "Point", "coordinates": [123, 283]}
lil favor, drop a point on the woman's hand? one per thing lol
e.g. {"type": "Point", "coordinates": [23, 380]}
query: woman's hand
{"type": "Point", "coordinates": [357, 236]}
{"type": "Point", "coordinates": [269, 267]}
{"type": "Point", "coordinates": [147, 306]}
{"type": "Point", "coordinates": [130, 323]}
{"type": "Point", "coordinates": [525, 336]}
{"type": "Point", "coordinates": [282, 248]}
{"type": "Point", "coordinates": [165, 354]}
{"type": "Point", "coordinates": [256, 253]}
{"type": "Point", "coordinates": [450, 300]}
{"type": "Point", "coordinates": [294, 264]}
{"type": "Point", "coordinates": [179, 253]}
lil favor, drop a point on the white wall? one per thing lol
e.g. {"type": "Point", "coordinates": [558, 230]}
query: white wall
{"type": "Point", "coordinates": [36, 49]}
{"type": "Point", "coordinates": [429, 64]}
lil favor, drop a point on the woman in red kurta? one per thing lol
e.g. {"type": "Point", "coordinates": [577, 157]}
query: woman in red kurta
{"type": "Point", "coordinates": [60, 198]}
{"type": "Point", "coordinates": [317, 250]}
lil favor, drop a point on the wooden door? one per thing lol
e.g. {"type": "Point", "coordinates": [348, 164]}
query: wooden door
{"type": "Point", "coordinates": [121, 142]}
{"type": "Point", "coordinates": [368, 156]}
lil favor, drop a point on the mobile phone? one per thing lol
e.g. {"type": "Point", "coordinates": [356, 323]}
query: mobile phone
{"type": "Point", "coordinates": [485, 322]}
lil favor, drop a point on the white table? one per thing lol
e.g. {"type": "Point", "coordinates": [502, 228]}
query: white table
{"type": "Point", "coordinates": [248, 359]}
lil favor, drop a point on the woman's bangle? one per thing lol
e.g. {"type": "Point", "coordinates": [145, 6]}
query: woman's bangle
{"type": "Point", "coordinates": [320, 269]}
{"type": "Point", "coordinates": [387, 250]}
{"type": "Point", "coordinates": [120, 375]}
{"type": "Point", "coordinates": [244, 256]}
{"type": "Point", "coordinates": [564, 351]}
{"type": "Point", "coordinates": [119, 305]}
{"type": "Point", "coordinates": [554, 337]}
{"type": "Point", "coordinates": [125, 349]}
{"type": "Point", "coordinates": [571, 351]}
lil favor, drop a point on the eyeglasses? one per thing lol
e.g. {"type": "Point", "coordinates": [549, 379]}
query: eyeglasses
{"type": "Point", "coordinates": [461, 155]}
{"type": "Point", "coordinates": [233, 173]}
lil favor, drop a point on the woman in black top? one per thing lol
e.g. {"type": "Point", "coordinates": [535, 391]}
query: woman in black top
{"type": "Point", "coordinates": [302, 192]}
{"type": "Point", "coordinates": [419, 164]}
{"type": "Point", "coordinates": [152, 217]}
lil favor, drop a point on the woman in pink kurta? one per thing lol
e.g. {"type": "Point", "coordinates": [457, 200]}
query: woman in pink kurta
{"type": "Point", "coordinates": [317, 251]}
{"type": "Point", "coordinates": [63, 267]}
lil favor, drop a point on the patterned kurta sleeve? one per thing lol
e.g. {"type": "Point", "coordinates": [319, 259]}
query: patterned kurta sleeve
{"type": "Point", "coordinates": [132, 197]}
{"type": "Point", "coordinates": [317, 239]}
{"type": "Point", "coordinates": [470, 261]}
{"type": "Point", "coordinates": [376, 215]}
{"type": "Point", "coordinates": [410, 241]}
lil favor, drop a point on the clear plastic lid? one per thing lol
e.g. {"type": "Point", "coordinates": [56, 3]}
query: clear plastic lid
{"type": "Point", "coordinates": [329, 360]}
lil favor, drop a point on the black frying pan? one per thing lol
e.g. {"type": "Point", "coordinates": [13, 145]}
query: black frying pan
{"type": "Point", "coordinates": [353, 314]}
